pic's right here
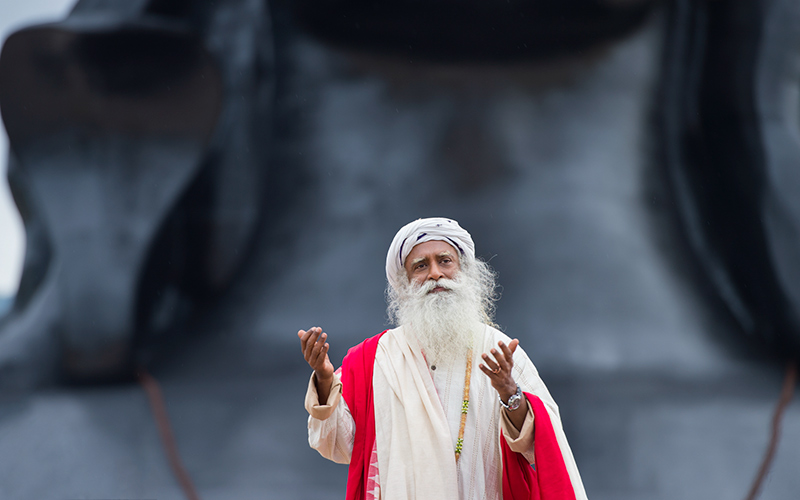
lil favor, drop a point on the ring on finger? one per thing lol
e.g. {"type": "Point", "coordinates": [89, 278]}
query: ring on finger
{"type": "Point", "coordinates": [496, 370]}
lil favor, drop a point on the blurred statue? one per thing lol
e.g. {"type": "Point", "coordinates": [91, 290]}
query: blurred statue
{"type": "Point", "coordinates": [140, 151]}
{"type": "Point", "coordinates": [139, 135]}
{"type": "Point", "coordinates": [472, 30]}
{"type": "Point", "coordinates": [731, 143]}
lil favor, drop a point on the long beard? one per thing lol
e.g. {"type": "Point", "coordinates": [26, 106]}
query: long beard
{"type": "Point", "coordinates": [445, 322]}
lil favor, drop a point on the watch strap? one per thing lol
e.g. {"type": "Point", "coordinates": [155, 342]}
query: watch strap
{"type": "Point", "coordinates": [513, 401]}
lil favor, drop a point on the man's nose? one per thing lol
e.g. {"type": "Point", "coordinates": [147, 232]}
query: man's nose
{"type": "Point", "coordinates": [435, 273]}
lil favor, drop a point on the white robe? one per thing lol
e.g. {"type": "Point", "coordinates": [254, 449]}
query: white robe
{"type": "Point", "coordinates": [417, 417]}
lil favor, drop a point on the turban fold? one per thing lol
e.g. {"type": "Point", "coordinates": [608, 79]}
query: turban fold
{"type": "Point", "coordinates": [420, 231]}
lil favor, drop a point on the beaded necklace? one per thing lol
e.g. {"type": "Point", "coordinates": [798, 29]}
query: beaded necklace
{"type": "Point", "coordinates": [464, 406]}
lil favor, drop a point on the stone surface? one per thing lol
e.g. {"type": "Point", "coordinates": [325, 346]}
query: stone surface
{"type": "Point", "coordinates": [5, 304]}
{"type": "Point", "coordinates": [139, 140]}
{"type": "Point", "coordinates": [731, 144]}
{"type": "Point", "coordinates": [472, 30]}
{"type": "Point", "coordinates": [243, 437]}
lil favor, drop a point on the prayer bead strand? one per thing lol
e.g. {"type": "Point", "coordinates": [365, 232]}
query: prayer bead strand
{"type": "Point", "coordinates": [464, 406]}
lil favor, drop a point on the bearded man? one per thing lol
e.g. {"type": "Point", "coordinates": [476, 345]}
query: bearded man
{"type": "Point", "coordinates": [444, 406]}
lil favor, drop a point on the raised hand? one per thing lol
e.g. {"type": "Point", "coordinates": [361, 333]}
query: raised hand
{"type": "Point", "coordinates": [315, 352]}
{"type": "Point", "coordinates": [499, 372]}
{"type": "Point", "coordinates": [499, 369]}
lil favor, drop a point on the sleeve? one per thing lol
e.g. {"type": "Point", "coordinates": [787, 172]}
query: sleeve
{"type": "Point", "coordinates": [331, 428]}
{"type": "Point", "coordinates": [520, 441]}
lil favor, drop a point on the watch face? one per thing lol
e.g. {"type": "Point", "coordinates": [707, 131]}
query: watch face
{"type": "Point", "coordinates": [513, 401]}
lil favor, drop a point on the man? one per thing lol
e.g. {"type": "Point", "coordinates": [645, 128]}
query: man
{"type": "Point", "coordinates": [415, 411]}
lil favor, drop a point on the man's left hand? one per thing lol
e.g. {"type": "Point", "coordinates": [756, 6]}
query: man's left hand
{"type": "Point", "coordinates": [499, 372]}
{"type": "Point", "coordinates": [499, 369]}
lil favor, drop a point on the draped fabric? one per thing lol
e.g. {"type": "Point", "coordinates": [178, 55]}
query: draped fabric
{"type": "Point", "coordinates": [356, 374]}
{"type": "Point", "coordinates": [550, 479]}
{"type": "Point", "coordinates": [405, 440]}
{"type": "Point", "coordinates": [416, 457]}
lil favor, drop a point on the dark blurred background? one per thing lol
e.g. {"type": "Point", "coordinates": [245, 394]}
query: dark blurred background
{"type": "Point", "coordinates": [199, 180]}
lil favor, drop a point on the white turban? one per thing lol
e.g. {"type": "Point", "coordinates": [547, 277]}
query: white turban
{"type": "Point", "coordinates": [420, 231]}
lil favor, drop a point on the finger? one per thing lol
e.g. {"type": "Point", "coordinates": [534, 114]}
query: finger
{"type": "Point", "coordinates": [314, 354]}
{"type": "Point", "coordinates": [311, 343]}
{"type": "Point", "coordinates": [308, 343]}
{"type": "Point", "coordinates": [301, 334]}
{"type": "Point", "coordinates": [501, 359]}
{"type": "Point", "coordinates": [489, 373]}
{"type": "Point", "coordinates": [512, 346]}
{"type": "Point", "coordinates": [490, 363]}
{"type": "Point", "coordinates": [319, 344]}
{"type": "Point", "coordinates": [319, 341]}
{"type": "Point", "coordinates": [507, 354]}
{"type": "Point", "coordinates": [319, 359]}
{"type": "Point", "coordinates": [304, 336]}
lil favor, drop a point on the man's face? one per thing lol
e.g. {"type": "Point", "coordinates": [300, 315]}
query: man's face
{"type": "Point", "coordinates": [432, 260]}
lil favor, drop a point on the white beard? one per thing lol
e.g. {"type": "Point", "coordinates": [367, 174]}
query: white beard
{"type": "Point", "coordinates": [444, 323]}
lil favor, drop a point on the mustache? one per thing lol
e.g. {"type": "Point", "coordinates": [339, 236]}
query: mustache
{"type": "Point", "coordinates": [428, 286]}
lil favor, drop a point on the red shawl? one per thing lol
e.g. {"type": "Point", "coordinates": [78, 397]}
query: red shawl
{"type": "Point", "coordinates": [357, 392]}
{"type": "Point", "coordinates": [550, 480]}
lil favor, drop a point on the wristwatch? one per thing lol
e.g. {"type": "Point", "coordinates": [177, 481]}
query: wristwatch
{"type": "Point", "coordinates": [513, 402]}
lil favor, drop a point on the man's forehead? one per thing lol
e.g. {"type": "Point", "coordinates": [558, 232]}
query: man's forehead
{"type": "Point", "coordinates": [445, 253]}
{"type": "Point", "coordinates": [438, 248]}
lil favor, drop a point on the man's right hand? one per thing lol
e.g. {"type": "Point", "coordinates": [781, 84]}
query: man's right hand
{"type": "Point", "coordinates": [315, 352]}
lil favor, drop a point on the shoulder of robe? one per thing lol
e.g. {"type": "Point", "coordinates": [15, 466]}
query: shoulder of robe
{"type": "Point", "coordinates": [358, 349]}
{"type": "Point", "coordinates": [519, 353]}
{"type": "Point", "coordinates": [496, 335]}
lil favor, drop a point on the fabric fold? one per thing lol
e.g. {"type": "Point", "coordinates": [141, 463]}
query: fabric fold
{"type": "Point", "coordinates": [550, 479]}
